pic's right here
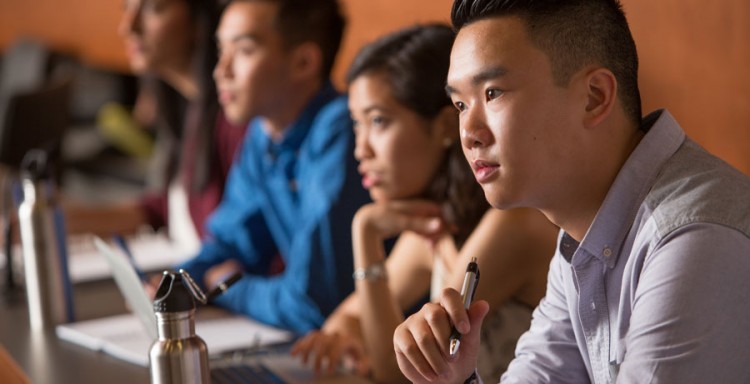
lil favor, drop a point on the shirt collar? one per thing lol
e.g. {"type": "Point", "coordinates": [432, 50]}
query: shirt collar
{"type": "Point", "coordinates": [296, 133]}
{"type": "Point", "coordinates": [615, 217]}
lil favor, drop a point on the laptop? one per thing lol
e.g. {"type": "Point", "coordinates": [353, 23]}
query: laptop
{"type": "Point", "coordinates": [130, 336]}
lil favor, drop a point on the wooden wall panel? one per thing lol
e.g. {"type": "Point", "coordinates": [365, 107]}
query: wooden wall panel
{"type": "Point", "coordinates": [695, 55]}
{"type": "Point", "coordinates": [86, 28]}
{"type": "Point", "coordinates": [695, 60]}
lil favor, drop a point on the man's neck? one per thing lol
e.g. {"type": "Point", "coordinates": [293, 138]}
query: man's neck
{"type": "Point", "coordinates": [183, 82]}
{"type": "Point", "coordinates": [577, 210]}
{"type": "Point", "coordinates": [277, 122]}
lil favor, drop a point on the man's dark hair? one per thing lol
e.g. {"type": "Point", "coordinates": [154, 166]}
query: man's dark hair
{"type": "Point", "coordinates": [573, 34]}
{"type": "Point", "coordinates": [317, 21]}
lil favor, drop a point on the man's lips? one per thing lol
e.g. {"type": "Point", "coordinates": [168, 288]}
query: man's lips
{"type": "Point", "coordinates": [484, 170]}
{"type": "Point", "coordinates": [134, 47]}
{"type": "Point", "coordinates": [226, 97]}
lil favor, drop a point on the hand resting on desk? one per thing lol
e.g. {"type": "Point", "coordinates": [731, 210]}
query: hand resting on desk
{"type": "Point", "coordinates": [326, 351]}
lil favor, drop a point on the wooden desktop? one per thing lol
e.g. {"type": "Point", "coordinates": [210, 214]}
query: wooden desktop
{"type": "Point", "coordinates": [47, 359]}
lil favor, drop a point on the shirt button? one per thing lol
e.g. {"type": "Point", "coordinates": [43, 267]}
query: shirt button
{"type": "Point", "coordinates": [607, 252]}
{"type": "Point", "coordinates": [292, 185]}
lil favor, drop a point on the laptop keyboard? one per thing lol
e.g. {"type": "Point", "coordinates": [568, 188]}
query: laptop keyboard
{"type": "Point", "coordinates": [244, 373]}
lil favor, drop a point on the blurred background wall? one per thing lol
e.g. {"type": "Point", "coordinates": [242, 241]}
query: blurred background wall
{"type": "Point", "coordinates": [695, 55]}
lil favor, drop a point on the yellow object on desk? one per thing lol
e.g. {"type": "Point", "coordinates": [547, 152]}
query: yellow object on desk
{"type": "Point", "coordinates": [10, 372]}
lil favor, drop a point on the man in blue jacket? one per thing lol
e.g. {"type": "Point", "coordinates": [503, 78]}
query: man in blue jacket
{"type": "Point", "coordinates": [294, 188]}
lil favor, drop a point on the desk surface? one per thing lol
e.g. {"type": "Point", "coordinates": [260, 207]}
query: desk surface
{"type": "Point", "coordinates": [46, 359]}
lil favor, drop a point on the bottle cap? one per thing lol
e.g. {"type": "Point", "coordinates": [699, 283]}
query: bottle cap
{"type": "Point", "coordinates": [173, 295]}
{"type": "Point", "coordinates": [35, 165]}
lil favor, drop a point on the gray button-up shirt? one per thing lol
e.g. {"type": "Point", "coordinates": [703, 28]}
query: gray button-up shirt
{"type": "Point", "coordinates": [658, 291]}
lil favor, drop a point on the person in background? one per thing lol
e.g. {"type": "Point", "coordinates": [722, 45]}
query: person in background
{"type": "Point", "coordinates": [424, 192]}
{"type": "Point", "coordinates": [294, 188]}
{"type": "Point", "coordinates": [170, 45]}
{"type": "Point", "coordinates": [649, 280]}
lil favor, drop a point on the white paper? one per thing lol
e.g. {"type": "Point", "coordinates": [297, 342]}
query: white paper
{"type": "Point", "coordinates": [123, 336]}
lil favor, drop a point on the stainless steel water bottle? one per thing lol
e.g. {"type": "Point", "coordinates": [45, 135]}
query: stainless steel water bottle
{"type": "Point", "coordinates": [47, 282]}
{"type": "Point", "coordinates": [178, 356]}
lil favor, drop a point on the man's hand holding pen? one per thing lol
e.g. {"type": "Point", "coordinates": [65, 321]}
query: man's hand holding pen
{"type": "Point", "coordinates": [422, 342]}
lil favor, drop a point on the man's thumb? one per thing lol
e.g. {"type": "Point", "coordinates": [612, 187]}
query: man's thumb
{"type": "Point", "coordinates": [477, 312]}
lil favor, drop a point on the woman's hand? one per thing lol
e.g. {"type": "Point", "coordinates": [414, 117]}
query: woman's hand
{"type": "Point", "coordinates": [326, 351]}
{"type": "Point", "coordinates": [390, 218]}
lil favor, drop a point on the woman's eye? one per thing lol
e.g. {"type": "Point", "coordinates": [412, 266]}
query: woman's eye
{"type": "Point", "coordinates": [378, 121]}
{"type": "Point", "coordinates": [492, 93]}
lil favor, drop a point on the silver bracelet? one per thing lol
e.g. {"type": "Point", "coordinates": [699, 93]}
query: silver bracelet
{"type": "Point", "coordinates": [373, 272]}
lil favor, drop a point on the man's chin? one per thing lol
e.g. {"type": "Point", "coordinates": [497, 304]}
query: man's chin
{"type": "Point", "coordinates": [235, 117]}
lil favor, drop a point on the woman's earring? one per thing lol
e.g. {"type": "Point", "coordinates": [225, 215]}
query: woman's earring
{"type": "Point", "coordinates": [447, 142]}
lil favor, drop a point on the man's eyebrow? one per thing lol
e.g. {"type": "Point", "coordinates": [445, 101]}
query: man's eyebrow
{"type": "Point", "coordinates": [244, 36]}
{"type": "Point", "coordinates": [481, 77]}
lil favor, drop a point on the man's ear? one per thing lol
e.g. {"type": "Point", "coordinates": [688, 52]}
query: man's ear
{"type": "Point", "coordinates": [601, 96]}
{"type": "Point", "coordinates": [446, 125]}
{"type": "Point", "coordinates": [306, 60]}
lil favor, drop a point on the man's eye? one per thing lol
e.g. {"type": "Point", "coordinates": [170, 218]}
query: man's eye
{"type": "Point", "coordinates": [460, 106]}
{"type": "Point", "coordinates": [492, 93]}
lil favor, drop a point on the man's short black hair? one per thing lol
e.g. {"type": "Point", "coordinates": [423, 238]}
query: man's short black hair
{"type": "Point", "coordinates": [317, 21]}
{"type": "Point", "coordinates": [573, 34]}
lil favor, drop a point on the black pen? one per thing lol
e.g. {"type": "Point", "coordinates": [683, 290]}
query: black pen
{"type": "Point", "coordinates": [471, 280]}
{"type": "Point", "coordinates": [223, 286]}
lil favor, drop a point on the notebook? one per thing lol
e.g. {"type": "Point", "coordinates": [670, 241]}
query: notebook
{"type": "Point", "coordinates": [129, 336]}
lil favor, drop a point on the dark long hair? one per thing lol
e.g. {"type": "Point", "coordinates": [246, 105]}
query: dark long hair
{"type": "Point", "coordinates": [173, 126]}
{"type": "Point", "coordinates": [415, 61]}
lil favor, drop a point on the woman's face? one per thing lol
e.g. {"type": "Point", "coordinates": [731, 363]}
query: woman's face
{"type": "Point", "coordinates": [399, 151]}
{"type": "Point", "coordinates": [158, 35]}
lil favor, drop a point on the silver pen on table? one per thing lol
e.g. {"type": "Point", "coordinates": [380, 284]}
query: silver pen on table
{"type": "Point", "coordinates": [469, 287]}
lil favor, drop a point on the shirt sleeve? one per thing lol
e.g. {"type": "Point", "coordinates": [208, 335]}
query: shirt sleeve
{"type": "Point", "coordinates": [548, 352]}
{"type": "Point", "coordinates": [236, 229]}
{"type": "Point", "coordinates": [318, 261]}
{"type": "Point", "coordinates": [691, 312]}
